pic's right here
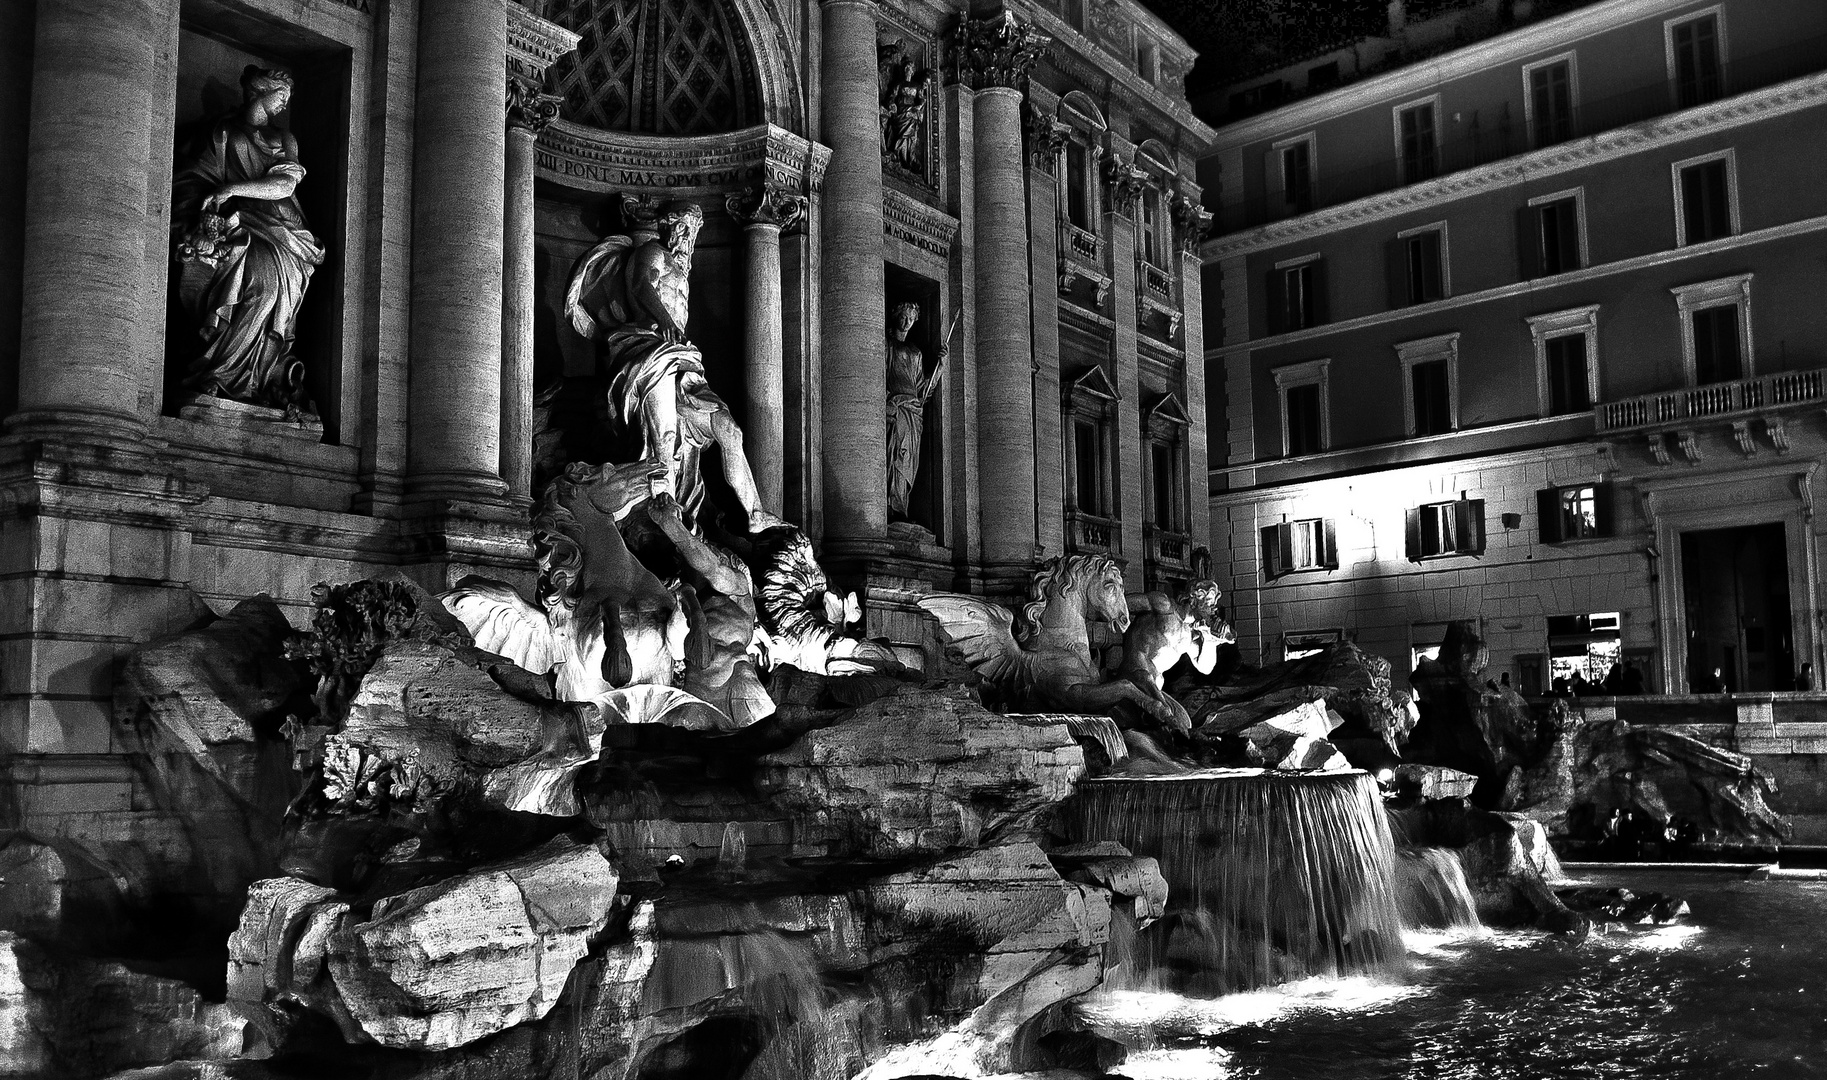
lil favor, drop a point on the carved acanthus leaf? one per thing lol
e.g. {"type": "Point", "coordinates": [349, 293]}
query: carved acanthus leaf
{"type": "Point", "coordinates": [997, 51]}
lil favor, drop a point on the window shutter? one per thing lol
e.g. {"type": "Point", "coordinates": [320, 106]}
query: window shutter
{"type": "Point", "coordinates": [1548, 512]}
{"type": "Point", "coordinates": [1284, 536]}
{"type": "Point", "coordinates": [1470, 525]}
{"type": "Point", "coordinates": [1412, 545]}
{"type": "Point", "coordinates": [1602, 495]}
{"type": "Point", "coordinates": [1322, 312]}
{"type": "Point", "coordinates": [1395, 261]}
{"type": "Point", "coordinates": [1277, 295]}
{"type": "Point", "coordinates": [1568, 221]}
{"type": "Point", "coordinates": [1271, 552]}
{"type": "Point", "coordinates": [1329, 558]}
{"type": "Point", "coordinates": [1529, 242]}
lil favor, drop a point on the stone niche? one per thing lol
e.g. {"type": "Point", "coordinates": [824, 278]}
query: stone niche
{"type": "Point", "coordinates": [215, 46]}
{"type": "Point", "coordinates": [926, 505]}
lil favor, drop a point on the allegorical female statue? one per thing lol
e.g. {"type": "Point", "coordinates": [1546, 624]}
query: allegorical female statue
{"type": "Point", "coordinates": [910, 384]}
{"type": "Point", "coordinates": [244, 253]}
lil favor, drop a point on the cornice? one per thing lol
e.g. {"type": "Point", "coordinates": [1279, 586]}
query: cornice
{"type": "Point", "coordinates": [1662, 257]}
{"type": "Point", "coordinates": [1426, 76]}
{"type": "Point", "coordinates": [1762, 104]}
{"type": "Point", "coordinates": [928, 228]}
{"type": "Point", "coordinates": [1092, 67]}
{"type": "Point", "coordinates": [534, 44]}
{"type": "Point", "coordinates": [583, 157]}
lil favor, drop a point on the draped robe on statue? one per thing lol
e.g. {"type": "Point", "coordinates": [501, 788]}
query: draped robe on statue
{"type": "Point", "coordinates": [246, 301]}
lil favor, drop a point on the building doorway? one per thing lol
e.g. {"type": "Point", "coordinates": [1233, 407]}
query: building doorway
{"type": "Point", "coordinates": [1735, 586]}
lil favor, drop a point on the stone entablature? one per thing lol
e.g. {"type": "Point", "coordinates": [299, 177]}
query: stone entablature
{"type": "Point", "coordinates": [581, 157]}
{"type": "Point", "coordinates": [534, 44]}
{"type": "Point", "coordinates": [928, 228]}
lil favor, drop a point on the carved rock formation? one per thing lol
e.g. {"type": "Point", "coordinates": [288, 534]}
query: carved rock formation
{"type": "Point", "coordinates": [923, 772]}
{"type": "Point", "coordinates": [1506, 881]}
{"type": "Point", "coordinates": [430, 969]}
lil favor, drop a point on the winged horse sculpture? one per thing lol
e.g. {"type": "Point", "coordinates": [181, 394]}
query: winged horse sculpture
{"type": "Point", "coordinates": [1050, 663]}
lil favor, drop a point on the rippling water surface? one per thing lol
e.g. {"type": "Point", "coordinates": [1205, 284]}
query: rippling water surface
{"type": "Point", "coordinates": [1739, 988]}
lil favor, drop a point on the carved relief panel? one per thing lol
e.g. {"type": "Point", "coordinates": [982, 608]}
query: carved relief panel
{"type": "Point", "coordinates": [907, 67]}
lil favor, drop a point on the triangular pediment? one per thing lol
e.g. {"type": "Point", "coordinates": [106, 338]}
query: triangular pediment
{"type": "Point", "coordinates": [1168, 408]}
{"type": "Point", "coordinates": [1095, 382]}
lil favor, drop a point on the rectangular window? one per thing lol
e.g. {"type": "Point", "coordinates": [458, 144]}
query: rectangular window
{"type": "Point", "coordinates": [1088, 467]}
{"type": "Point", "coordinates": [1151, 226]}
{"type": "Point", "coordinates": [1291, 546]}
{"type": "Point", "coordinates": [1297, 176]}
{"type": "Point", "coordinates": [1706, 201]}
{"type": "Point", "coordinates": [1568, 383]}
{"type": "Point", "coordinates": [1551, 103]}
{"type": "Point", "coordinates": [1575, 512]}
{"type": "Point", "coordinates": [1429, 383]}
{"type": "Point", "coordinates": [1306, 429]}
{"type": "Point", "coordinates": [1424, 266]}
{"type": "Point", "coordinates": [1557, 229]}
{"type": "Point", "coordinates": [1420, 151]}
{"type": "Point", "coordinates": [1694, 54]}
{"type": "Point", "coordinates": [1078, 186]}
{"type": "Point", "coordinates": [1716, 352]}
{"type": "Point", "coordinates": [1294, 296]}
{"type": "Point", "coordinates": [1164, 467]}
{"type": "Point", "coordinates": [1449, 528]}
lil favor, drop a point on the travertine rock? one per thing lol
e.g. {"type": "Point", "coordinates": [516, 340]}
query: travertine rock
{"type": "Point", "coordinates": [66, 1016]}
{"type": "Point", "coordinates": [1505, 881]}
{"type": "Point", "coordinates": [431, 969]}
{"type": "Point", "coordinates": [1110, 864]}
{"type": "Point", "coordinates": [1589, 768]}
{"type": "Point", "coordinates": [213, 684]}
{"type": "Point", "coordinates": [923, 772]}
{"type": "Point", "coordinates": [441, 725]}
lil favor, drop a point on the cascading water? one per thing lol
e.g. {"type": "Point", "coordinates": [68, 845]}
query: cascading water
{"type": "Point", "coordinates": [1431, 891]}
{"type": "Point", "coordinates": [1271, 876]}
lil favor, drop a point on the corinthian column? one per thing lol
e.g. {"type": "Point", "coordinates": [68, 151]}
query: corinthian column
{"type": "Point", "coordinates": [459, 165]}
{"type": "Point", "coordinates": [994, 57]}
{"type": "Point", "coordinates": [529, 111]}
{"type": "Point", "coordinates": [854, 358]}
{"type": "Point", "coordinates": [86, 301]}
{"type": "Point", "coordinates": [763, 213]}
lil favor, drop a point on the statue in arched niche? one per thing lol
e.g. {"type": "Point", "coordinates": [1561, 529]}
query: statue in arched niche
{"type": "Point", "coordinates": [244, 251]}
{"type": "Point", "coordinates": [910, 385]}
{"type": "Point", "coordinates": [631, 293]}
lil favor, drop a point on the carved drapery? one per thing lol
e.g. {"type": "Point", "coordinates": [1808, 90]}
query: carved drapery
{"type": "Point", "coordinates": [997, 51]}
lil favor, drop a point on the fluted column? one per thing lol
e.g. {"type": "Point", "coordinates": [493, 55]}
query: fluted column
{"type": "Point", "coordinates": [529, 111]}
{"type": "Point", "coordinates": [86, 299]}
{"type": "Point", "coordinates": [854, 410]}
{"type": "Point", "coordinates": [994, 57]}
{"type": "Point", "coordinates": [457, 229]}
{"type": "Point", "coordinates": [763, 213]}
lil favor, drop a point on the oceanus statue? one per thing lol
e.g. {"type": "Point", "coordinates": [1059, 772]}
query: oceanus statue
{"type": "Point", "coordinates": [1049, 664]}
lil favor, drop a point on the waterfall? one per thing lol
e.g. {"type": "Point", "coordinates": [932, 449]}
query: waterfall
{"type": "Point", "coordinates": [1431, 890]}
{"type": "Point", "coordinates": [1271, 876]}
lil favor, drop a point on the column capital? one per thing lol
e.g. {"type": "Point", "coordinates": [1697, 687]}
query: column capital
{"type": "Point", "coordinates": [1046, 136]}
{"type": "Point", "coordinates": [997, 51]}
{"type": "Point", "coordinates": [1190, 220]}
{"type": "Point", "coordinates": [1124, 182]}
{"type": "Point", "coordinates": [529, 108]}
{"type": "Point", "coordinates": [768, 204]}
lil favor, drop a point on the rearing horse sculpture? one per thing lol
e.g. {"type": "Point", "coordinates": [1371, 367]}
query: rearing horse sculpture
{"type": "Point", "coordinates": [1050, 665]}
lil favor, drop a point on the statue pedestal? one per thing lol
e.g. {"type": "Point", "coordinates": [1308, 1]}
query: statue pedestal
{"type": "Point", "coordinates": [907, 533]}
{"type": "Point", "coordinates": [237, 414]}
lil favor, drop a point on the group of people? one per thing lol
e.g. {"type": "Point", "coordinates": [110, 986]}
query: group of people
{"type": "Point", "coordinates": [1624, 679]}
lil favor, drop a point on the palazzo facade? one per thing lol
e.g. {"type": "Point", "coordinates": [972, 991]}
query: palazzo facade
{"type": "Point", "coordinates": [1528, 332]}
{"type": "Point", "coordinates": [187, 425]}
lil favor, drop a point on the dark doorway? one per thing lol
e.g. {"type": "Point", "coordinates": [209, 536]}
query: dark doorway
{"type": "Point", "coordinates": [1736, 589]}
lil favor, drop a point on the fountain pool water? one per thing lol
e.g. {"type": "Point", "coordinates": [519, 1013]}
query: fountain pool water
{"type": "Point", "coordinates": [1733, 991]}
{"type": "Point", "coordinates": [1271, 877]}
